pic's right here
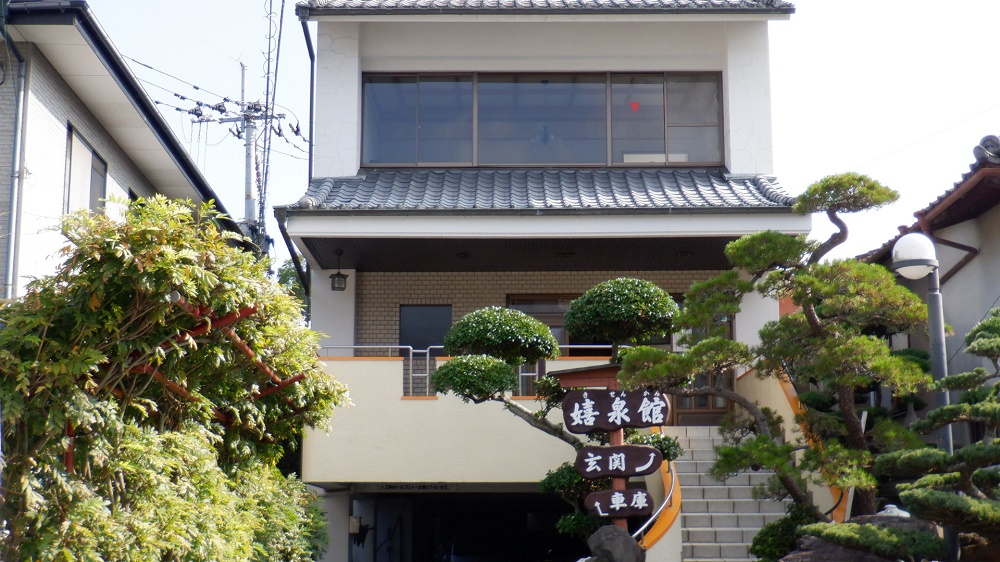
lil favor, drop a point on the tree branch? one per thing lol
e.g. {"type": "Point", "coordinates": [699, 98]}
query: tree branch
{"type": "Point", "coordinates": [553, 429]}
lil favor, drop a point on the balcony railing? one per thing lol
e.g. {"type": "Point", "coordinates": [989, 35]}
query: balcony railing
{"type": "Point", "coordinates": [420, 364]}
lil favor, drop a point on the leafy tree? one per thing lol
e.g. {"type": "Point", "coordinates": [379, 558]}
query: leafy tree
{"type": "Point", "coordinates": [501, 339]}
{"type": "Point", "coordinates": [135, 425]}
{"type": "Point", "coordinates": [623, 310]}
{"type": "Point", "coordinates": [289, 279]}
{"type": "Point", "coordinates": [834, 343]}
{"type": "Point", "coordinates": [960, 490]}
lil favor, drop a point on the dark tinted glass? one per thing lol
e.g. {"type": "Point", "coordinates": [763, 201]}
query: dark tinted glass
{"type": "Point", "coordinates": [692, 100]}
{"type": "Point", "coordinates": [389, 125]}
{"type": "Point", "coordinates": [423, 326]}
{"type": "Point", "coordinates": [637, 132]}
{"type": "Point", "coordinates": [445, 120]}
{"type": "Point", "coordinates": [542, 119]}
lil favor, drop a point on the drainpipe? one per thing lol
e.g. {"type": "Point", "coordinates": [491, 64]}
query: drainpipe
{"type": "Point", "coordinates": [17, 172]}
{"type": "Point", "coordinates": [281, 214]}
{"type": "Point", "coordinates": [312, 92]}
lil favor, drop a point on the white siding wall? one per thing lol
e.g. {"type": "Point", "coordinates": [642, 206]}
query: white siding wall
{"type": "Point", "coordinates": [51, 106]}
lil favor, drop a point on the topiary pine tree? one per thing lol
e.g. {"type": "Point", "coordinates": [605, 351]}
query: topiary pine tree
{"type": "Point", "coordinates": [960, 490]}
{"type": "Point", "coordinates": [834, 341]}
{"type": "Point", "coordinates": [489, 345]}
{"type": "Point", "coordinates": [623, 310]}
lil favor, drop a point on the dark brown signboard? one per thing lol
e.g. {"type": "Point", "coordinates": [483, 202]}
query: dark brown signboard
{"type": "Point", "coordinates": [608, 410]}
{"type": "Point", "coordinates": [618, 462]}
{"type": "Point", "coordinates": [619, 503]}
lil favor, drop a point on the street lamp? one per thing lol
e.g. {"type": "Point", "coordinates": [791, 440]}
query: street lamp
{"type": "Point", "coordinates": [913, 257]}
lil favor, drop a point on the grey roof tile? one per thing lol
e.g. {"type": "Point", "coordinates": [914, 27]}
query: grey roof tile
{"type": "Point", "coordinates": [489, 189]}
{"type": "Point", "coordinates": [332, 7]}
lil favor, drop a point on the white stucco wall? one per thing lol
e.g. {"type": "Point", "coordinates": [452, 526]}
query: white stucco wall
{"type": "Point", "coordinates": [385, 438]}
{"type": "Point", "coordinates": [974, 290]}
{"type": "Point", "coordinates": [738, 49]}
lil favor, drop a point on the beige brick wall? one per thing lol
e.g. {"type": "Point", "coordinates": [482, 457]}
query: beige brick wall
{"type": "Point", "coordinates": [379, 295]}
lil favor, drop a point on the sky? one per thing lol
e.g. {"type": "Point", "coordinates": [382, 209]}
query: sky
{"type": "Point", "coordinates": [900, 90]}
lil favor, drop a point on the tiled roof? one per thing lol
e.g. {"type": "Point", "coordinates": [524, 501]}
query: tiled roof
{"type": "Point", "coordinates": [320, 7]}
{"type": "Point", "coordinates": [532, 189]}
{"type": "Point", "coordinates": [986, 153]}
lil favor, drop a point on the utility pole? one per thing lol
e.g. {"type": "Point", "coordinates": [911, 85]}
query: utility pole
{"type": "Point", "coordinates": [250, 206]}
{"type": "Point", "coordinates": [250, 113]}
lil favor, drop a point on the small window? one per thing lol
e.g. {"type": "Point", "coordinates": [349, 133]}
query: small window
{"type": "Point", "coordinates": [86, 177]}
{"type": "Point", "coordinates": [422, 327]}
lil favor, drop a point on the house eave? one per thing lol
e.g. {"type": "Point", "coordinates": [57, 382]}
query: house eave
{"type": "Point", "coordinates": [75, 17]}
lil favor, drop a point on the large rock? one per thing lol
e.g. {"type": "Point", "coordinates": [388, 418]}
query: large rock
{"type": "Point", "coordinates": [815, 549]}
{"type": "Point", "coordinates": [612, 544]}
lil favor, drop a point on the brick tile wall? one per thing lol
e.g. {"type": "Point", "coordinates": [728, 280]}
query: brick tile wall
{"type": "Point", "coordinates": [380, 294]}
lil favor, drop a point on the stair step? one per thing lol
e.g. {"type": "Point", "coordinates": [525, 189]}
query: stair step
{"type": "Point", "coordinates": [700, 551]}
{"type": "Point", "coordinates": [728, 520]}
{"type": "Point", "coordinates": [731, 506]}
{"type": "Point", "coordinates": [696, 479]}
{"type": "Point", "coordinates": [731, 535]}
{"type": "Point", "coordinates": [718, 492]}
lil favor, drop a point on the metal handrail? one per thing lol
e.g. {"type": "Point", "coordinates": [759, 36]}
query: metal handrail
{"type": "Point", "coordinates": [666, 501]}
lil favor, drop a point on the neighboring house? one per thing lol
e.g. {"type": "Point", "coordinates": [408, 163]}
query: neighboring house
{"type": "Point", "coordinates": [964, 223]}
{"type": "Point", "coordinates": [75, 129]}
{"type": "Point", "coordinates": [469, 154]}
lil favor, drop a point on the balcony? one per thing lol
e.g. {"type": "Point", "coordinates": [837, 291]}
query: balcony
{"type": "Point", "coordinates": [398, 432]}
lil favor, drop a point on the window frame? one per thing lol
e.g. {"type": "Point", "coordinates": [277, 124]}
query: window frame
{"type": "Point", "coordinates": [609, 141]}
{"type": "Point", "coordinates": [97, 165]}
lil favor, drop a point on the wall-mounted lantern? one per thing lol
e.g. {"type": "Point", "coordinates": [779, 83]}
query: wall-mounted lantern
{"type": "Point", "coordinates": [338, 281]}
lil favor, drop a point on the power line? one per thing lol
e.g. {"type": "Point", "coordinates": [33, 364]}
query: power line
{"type": "Point", "coordinates": [181, 80]}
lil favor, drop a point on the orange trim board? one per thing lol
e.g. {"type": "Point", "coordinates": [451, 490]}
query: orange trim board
{"type": "Point", "coordinates": [343, 358]}
{"type": "Point", "coordinates": [669, 514]}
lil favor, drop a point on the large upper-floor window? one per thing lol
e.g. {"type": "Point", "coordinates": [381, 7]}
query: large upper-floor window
{"type": "Point", "coordinates": [542, 119]}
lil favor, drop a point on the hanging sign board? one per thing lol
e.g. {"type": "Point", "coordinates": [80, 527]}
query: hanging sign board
{"type": "Point", "coordinates": [618, 461]}
{"type": "Point", "coordinates": [619, 503]}
{"type": "Point", "coordinates": [608, 410]}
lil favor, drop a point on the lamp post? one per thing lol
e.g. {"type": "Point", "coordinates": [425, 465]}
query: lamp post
{"type": "Point", "coordinates": [913, 257]}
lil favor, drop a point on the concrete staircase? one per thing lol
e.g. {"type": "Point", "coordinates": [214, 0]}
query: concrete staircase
{"type": "Point", "coordinates": [719, 519]}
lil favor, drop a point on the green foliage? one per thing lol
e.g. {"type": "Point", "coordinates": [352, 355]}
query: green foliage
{"type": "Point", "coordinates": [505, 333]}
{"type": "Point", "coordinates": [915, 355]}
{"type": "Point", "coordinates": [844, 193]}
{"type": "Point", "coordinates": [664, 443]}
{"type": "Point", "coordinates": [578, 524]}
{"type": "Point", "coordinates": [475, 377]}
{"type": "Point", "coordinates": [983, 340]}
{"type": "Point", "coordinates": [818, 400]}
{"type": "Point", "coordinates": [572, 488]}
{"type": "Point", "coordinates": [778, 538]}
{"type": "Point", "coordinates": [707, 302]}
{"type": "Point", "coordinates": [896, 543]}
{"type": "Point", "coordinates": [621, 310]}
{"type": "Point", "coordinates": [164, 425]}
{"type": "Point", "coordinates": [768, 250]}
{"type": "Point", "coordinates": [961, 489]}
{"type": "Point", "coordinates": [888, 436]}
{"type": "Point", "coordinates": [289, 279]}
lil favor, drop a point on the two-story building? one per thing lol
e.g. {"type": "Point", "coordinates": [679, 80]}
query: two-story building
{"type": "Point", "coordinates": [76, 129]}
{"type": "Point", "coordinates": [469, 154]}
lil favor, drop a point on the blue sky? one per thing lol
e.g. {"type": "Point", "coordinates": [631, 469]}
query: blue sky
{"type": "Point", "coordinates": [900, 90]}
